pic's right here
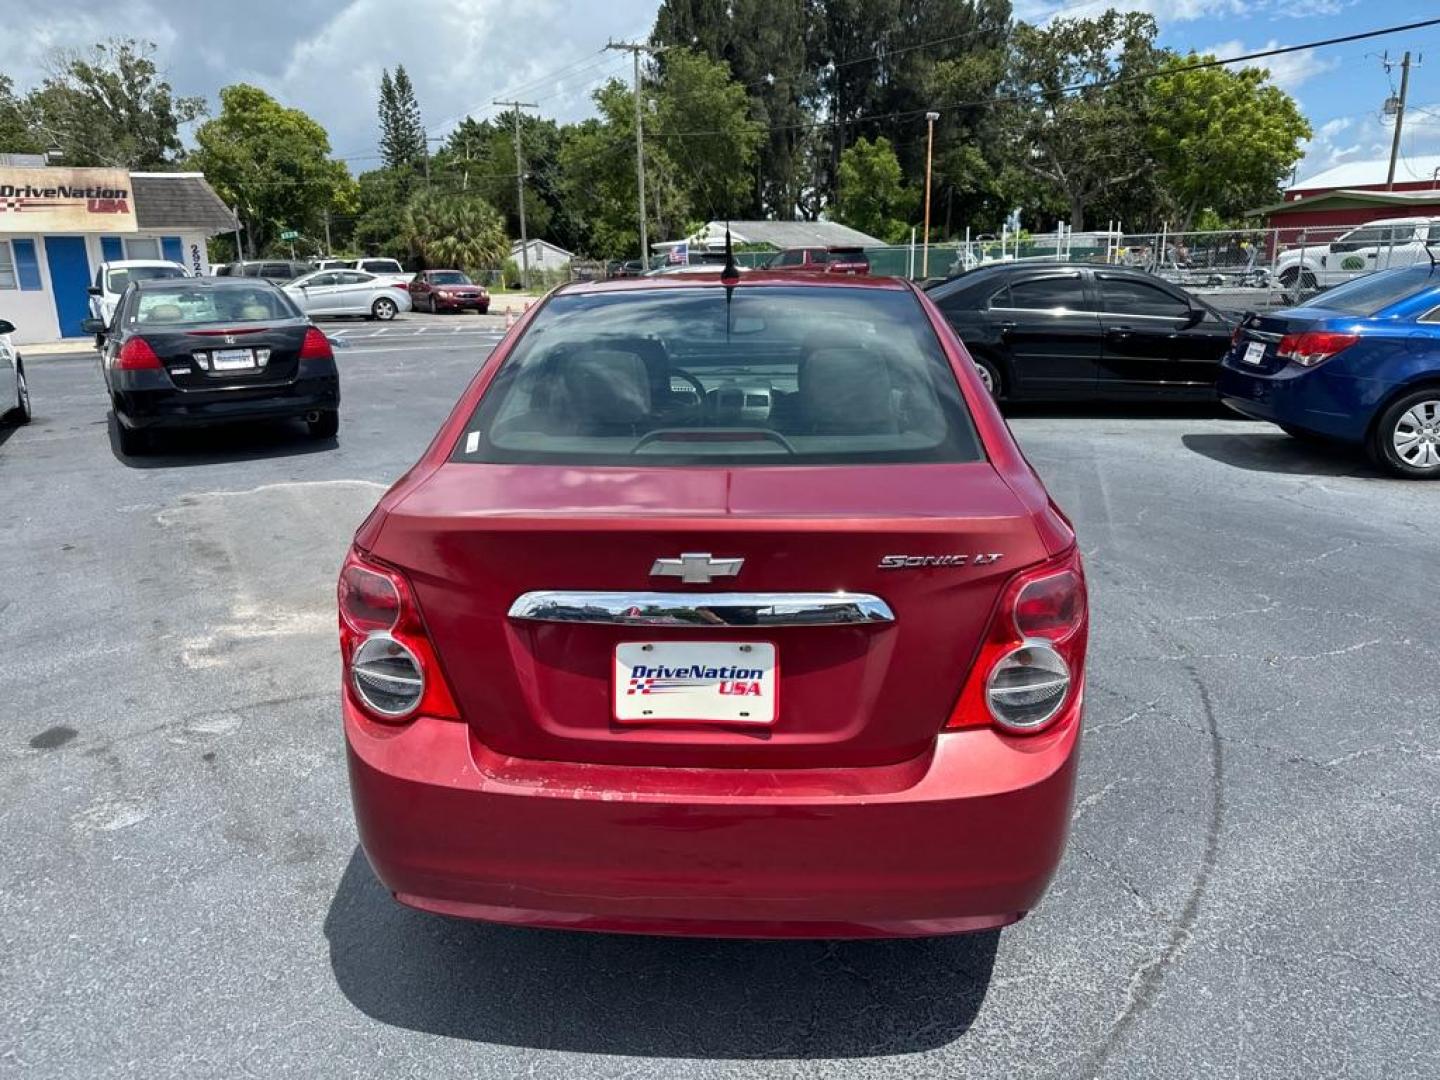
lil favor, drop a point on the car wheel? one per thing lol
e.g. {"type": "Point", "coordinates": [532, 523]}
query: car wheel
{"type": "Point", "coordinates": [133, 441]}
{"type": "Point", "coordinates": [1406, 439]}
{"type": "Point", "coordinates": [327, 426]}
{"type": "Point", "coordinates": [990, 376]}
{"type": "Point", "coordinates": [384, 309]}
{"type": "Point", "coordinates": [20, 414]}
{"type": "Point", "coordinates": [1288, 276]}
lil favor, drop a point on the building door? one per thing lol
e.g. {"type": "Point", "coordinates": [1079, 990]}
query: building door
{"type": "Point", "coordinates": [69, 280]}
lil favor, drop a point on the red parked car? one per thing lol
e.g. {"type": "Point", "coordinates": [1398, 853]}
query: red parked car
{"type": "Point", "coordinates": [822, 260]}
{"type": "Point", "coordinates": [447, 290]}
{"type": "Point", "coordinates": [718, 611]}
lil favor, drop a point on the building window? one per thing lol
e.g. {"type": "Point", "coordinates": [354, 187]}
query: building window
{"type": "Point", "coordinates": [142, 247]}
{"type": "Point", "coordinates": [7, 267]}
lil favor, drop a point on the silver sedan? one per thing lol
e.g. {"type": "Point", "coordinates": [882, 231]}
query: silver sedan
{"type": "Point", "coordinates": [348, 292]}
{"type": "Point", "coordinates": [14, 394]}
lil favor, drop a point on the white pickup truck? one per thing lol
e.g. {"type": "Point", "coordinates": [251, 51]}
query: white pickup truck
{"type": "Point", "coordinates": [1376, 245]}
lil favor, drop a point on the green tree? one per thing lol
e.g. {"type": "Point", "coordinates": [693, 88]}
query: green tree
{"type": "Point", "coordinates": [878, 202]}
{"type": "Point", "coordinates": [455, 230]}
{"type": "Point", "coordinates": [274, 164]}
{"type": "Point", "coordinates": [703, 120]}
{"type": "Point", "coordinates": [16, 134]}
{"type": "Point", "coordinates": [110, 106]}
{"type": "Point", "coordinates": [380, 223]}
{"type": "Point", "coordinates": [597, 176]}
{"type": "Point", "coordinates": [1067, 122]}
{"type": "Point", "coordinates": [402, 135]}
{"type": "Point", "coordinates": [1223, 140]}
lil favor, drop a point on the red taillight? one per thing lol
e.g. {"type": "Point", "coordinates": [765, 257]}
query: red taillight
{"type": "Point", "coordinates": [1314, 346]}
{"type": "Point", "coordinates": [137, 355]}
{"type": "Point", "coordinates": [316, 346]}
{"type": "Point", "coordinates": [391, 670]}
{"type": "Point", "coordinates": [1238, 336]}
{"type": "Point", "coordinates": [1039, 626]}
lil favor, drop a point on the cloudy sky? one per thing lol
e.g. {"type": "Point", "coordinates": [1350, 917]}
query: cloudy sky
{"type": "Point", "coordinates": [325, 56]}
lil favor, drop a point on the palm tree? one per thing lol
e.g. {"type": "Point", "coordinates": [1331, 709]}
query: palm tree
{"type": "Point", "coordinates": [455, 230]}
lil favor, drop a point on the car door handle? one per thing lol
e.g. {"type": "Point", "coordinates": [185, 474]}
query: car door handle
{"type": "Point", "coordinates": [1118, 333]}
{"type": "Point", "coordinates": [1006, 329]}
{"type": "Point", "coordinates": [1370, 255]}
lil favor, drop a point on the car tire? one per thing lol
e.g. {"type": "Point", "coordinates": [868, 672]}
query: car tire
{"type": "Point", "coordinates": [133, 442]}
{"type": "Point", "coordinates": [20, 414]}
{"type": "Point", "coordinates": [990, 376]}
{"type": "Point", "coordinates": [1288, 276]}
{"type": "Point", "coordinates": [327, 426]}
{"type": "Point", "coordinates": [1406, 438]}
{"type": "Point", "coordinates": [384, 309]}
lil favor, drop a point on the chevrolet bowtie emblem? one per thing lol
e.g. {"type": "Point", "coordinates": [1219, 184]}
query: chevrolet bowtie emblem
{"type": "Point", "coordinates": [696, 568]}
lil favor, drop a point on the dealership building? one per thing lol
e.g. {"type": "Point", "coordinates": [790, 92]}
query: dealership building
{"type": "Point", "coordinates": [58, 225]}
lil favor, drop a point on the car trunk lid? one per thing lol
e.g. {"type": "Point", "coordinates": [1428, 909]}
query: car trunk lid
{"type": "Point", "coordinates": [473, 538]}
{"type": "Point", "coordinates": [229, 357]}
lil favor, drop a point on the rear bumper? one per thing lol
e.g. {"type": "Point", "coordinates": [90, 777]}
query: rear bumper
{"type": "Point", "coordinates": [165, 406]}
{"type": "Point", "coordinates": [965, 838]}
{"type": "Point", "coordinates": [1325, 402]}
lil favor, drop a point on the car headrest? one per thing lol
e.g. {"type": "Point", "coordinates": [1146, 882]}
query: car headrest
{"type": "Point", "coordinates": [607, 386]}
{"type": "Point", "coordinates": [164, 313]}
{"type": "Point", "coordinates": [846, 390]}
{"type": "Point", "coordinates": [254, 311]}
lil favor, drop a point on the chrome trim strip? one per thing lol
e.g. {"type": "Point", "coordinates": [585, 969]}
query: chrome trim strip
{"type": "Point", "coordinates": [703, 611]}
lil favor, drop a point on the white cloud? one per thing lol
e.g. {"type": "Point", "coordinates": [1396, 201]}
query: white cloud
{"type": "Point", "coordinates": [1289, 71]}
{"type": "Point", "coordinates": [1367, 137]}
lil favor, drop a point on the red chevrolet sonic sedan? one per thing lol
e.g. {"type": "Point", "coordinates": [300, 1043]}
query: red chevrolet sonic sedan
{"type": "Point", "coordinates": [723, 610]}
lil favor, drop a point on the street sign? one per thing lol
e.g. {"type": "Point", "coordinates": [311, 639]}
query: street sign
{"type": "Point", "coordinates": [289, 234]}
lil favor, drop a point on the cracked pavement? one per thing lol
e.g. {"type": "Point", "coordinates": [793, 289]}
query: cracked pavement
{"type": "Point", "coordinates": [1249, 888]}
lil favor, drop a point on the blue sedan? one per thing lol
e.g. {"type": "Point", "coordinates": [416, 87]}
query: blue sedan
{"type": "Point", "coordinates": [1359, 365]}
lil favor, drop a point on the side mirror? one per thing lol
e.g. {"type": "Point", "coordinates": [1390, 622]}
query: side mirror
{"type": "Point", "coordinates": [93, 290]}
{"type": "Point", "coordinates": [93, 326]}
{"type": "Point", "coordinates": [6, 326]}
{"type": "Point", "coordinates": [1195, 318]}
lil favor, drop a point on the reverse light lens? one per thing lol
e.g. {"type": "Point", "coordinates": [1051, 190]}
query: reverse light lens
{"type": "Point", "coordinates": [1313, 346]}
{"type": "Point", "coordinates": [137, 355]}
{"type": "Point", "coordinates": [1051, 607]}
{"type": "Point", "coordinates": [387, 676]}
{"type": "Point", "coordinates": [368, 601]}
{"type": "Point", "coordinates": [1027, 687]}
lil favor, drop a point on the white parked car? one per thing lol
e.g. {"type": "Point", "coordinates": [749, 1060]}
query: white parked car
{"type": "Point", "coordinates": [348, 292]}
{"type": "Point", "coordinates": [112, 277]}
{"type": "Point", "coordinates": [14, 394]}
{"type": "Point", "coordinates": [389, 269]}
{"type": "Point", "coordinates": [1377, 245]}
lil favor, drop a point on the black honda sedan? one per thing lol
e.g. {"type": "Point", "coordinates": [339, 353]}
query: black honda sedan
{"type": "Point", "coordinates": [1051, 331]}
{"type": "Point", "coordinates": [189, 352]}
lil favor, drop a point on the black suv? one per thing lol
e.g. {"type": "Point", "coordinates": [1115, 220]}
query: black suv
{"type": "Point", "coordinates": [276, 270]}
{"type": "Point", "coordinates": [1046, 331]}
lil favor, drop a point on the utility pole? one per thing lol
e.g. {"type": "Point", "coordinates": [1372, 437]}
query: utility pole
{"type": "Point", "coordinates": [1399, 115]}
{"type": "Point", "coordinates": [519, 189]}
{"type": "Point", "coordinates": [635, 49]}
{"type": "Point", "coordinates": [930, 118]}
{"type": "Point", "coordinates": [327, 231]}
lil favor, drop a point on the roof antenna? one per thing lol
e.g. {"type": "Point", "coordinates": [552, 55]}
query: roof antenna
{"type": "Point", "coordinates": [1430, 253]}
{"type": "Point", "coordinates": [729, 277]}
{"type": "Point", "coordinates": [729, 273]}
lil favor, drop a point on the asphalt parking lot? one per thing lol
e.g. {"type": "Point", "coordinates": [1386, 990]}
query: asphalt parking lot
{"type": "Point", "coordinates": [1249, 888]}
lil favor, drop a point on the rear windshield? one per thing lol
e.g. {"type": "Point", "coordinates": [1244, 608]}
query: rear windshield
{"type": "Point", "coordinates": [186, 307]}
{"type": "Point", "coordinates": [681, 376]}
{"type": "Point", "coordinates": [116, 280]}
{"type": "Point", "coordinates": [1374, 292]}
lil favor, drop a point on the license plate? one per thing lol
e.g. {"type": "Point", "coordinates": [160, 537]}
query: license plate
{"type": "Point", "coordinates": [232, 359]}
{"type": "Point", "coordinates": [729, 682]}
{"type": "Point", "coordinates": [1254, 353]}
